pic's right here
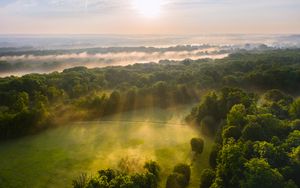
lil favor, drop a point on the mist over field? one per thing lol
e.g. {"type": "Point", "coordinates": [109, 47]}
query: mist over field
{"type": "Point", "coordinates": [137, 136]}
{"type": "Point", "coordinates": [21, 64]}
{"type": "Point", "coordinates": [21, 55]}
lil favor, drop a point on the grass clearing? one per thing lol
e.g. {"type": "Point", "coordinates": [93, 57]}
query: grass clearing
{"type": "Point", "coordinates": [54, 157]}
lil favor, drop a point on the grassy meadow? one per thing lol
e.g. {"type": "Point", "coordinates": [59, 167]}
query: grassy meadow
{"type": "Point", "coordinates": [54, 157]}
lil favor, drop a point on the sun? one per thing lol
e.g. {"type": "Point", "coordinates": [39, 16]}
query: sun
{"type": "Point", "coordinates": [148, 8]}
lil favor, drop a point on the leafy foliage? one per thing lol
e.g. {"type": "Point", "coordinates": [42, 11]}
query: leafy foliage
{"type": "Point", "coordinates": [117, 179]}
{"type": "Point", "coordinates": [180, 177]}
{"type": "Point", "coordinates": [258, 147]}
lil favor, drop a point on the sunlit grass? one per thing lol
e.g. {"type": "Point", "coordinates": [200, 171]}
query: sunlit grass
{"type": "Point", "coordinates": [54, 157]}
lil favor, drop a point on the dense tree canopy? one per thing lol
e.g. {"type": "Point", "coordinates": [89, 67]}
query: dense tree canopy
{"type": "Point", "coordinates": [257, 147]}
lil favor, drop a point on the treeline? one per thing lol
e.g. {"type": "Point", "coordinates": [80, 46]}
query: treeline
{"type": "Point", "coordinates": [103, 50]}
{"type": "Point", "coordinates": [21, 66]}
{"type": "Point", "coordinates": [257, 139]}
{"type": "Point", "coordinates": [36, 101]}
{"type": "Point", "coordinates": [147, 178]}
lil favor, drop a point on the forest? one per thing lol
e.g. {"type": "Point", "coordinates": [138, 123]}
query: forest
{"type": "Point", "coordinates": [248, 105]}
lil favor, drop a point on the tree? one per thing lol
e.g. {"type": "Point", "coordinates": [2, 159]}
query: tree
{"type": "Point", "coordinates": [117, 179]}
{"type": "Point", "coordinates": [21, 102]}
{"type": "Point", "coordinates": [231, 132]}
{"type": "Point", "coordinates": [180, 177]}
{"type": "Point", "coordinates": [259, 174]}
{"type": "Point", "coordinates": [197, 145]}
{"type": "Point", "coordinates": [290, 184]}
{"type": "Point", "coordinates": [208, 107]}
{"type": "Point", "coordinates": [274, 155]}
{"type": "Point", "coordinates": [252, 132]}
{"type": "Point", "coordinates": [54, 94]}
{"type": "Point", "coordinates": [278, 96]}
{"type": "Point", "coordinates": [175, 180]}
{"type": "Point", "coordinates": [153, 168]}
{"type": "Point", "coordinates": [160, 92]}
{"type": "Point", "coordinates": [207, 178]}
{"type": "Point", "coordinates": [237, 116]}
{"type": "Point", "coordinates": [113, 103]}
{"type": "Point", "coordinates": [232, 96]}
{"type": "Point", "coordinates": [295, 125]}
{"type": "Point", "coordinates": [145, 180]}
{"type": "Point", "coordinates": [293, 140]}
{"type": "Point", "coordinates": [262, 127]}
{"type": "Point", "coordinates": [122, 181]}
{"type": "Point", "coordinates": [131, 96]}
{"type": "Point", "coordinates": [185, 170]}
{"type": "Point", "coordinates": [294, 110]}
{"type": "Point", "coordinates": [230, 165]}
{"type": "Point", "coordinates": [277, 103]}
{"type": "Point", "coordinates": [295, 154]}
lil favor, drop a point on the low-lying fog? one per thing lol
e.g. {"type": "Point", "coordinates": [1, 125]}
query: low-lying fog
{"type": "Point", "coordinates": [42, 54]}
{"type": "Point", "coordinates": [18, 63]}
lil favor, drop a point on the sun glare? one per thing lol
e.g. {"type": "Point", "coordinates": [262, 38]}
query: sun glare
{"type": "Point", "coordinates": [148, 8]}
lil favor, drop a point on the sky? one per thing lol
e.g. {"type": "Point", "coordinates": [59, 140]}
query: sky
{"type": "Point", "coordinates": [149, 16]}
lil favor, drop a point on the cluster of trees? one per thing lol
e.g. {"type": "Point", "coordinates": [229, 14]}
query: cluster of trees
{"type": "Point", "coordinates": [158, 95]}
{"type": "Point", "coordinates": [111, 178]}
{"type": "Point", "coordinates": [23, 114]}
{"type": "Point", "coordinates": [257, 139]}
{"type": "Point", "coordinates": [212, 110]}
{"type": "Point", "coordinates": [149, 177]}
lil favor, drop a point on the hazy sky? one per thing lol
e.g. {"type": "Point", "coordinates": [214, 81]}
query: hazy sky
{"type": "Point", "coordinates": [149, 16]}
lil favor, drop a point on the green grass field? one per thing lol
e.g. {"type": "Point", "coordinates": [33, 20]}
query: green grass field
{"type": "Point", "coordinates": [54, 157]}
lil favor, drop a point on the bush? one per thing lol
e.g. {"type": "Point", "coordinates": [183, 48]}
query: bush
{"type": "Point", "coordinates": [180, 177]}
{"type": "Point", "coordinates": [185, 170]}
{"type": "Point", "coordinates": [207, 178]}
{"type": "Point", "coordinates": [153, 168]}
{"type": "Point", "coordinates": [295, 109]}
{"type": "Point", "coordinates": [197, 145]}
{"type": "Point", "coordinates": [175, 180]}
